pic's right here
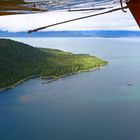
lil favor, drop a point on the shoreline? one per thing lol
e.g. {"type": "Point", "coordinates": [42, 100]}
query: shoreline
{"type": "Point", "coordinates": [17, 83]}
{"type": "Point", "coordinates": [72, 73]}
{"type": "Point", "coordinates": [49, 78]}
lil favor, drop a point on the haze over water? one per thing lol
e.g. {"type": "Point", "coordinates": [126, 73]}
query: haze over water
{"type": "Point", "coordinates": [95, 105]}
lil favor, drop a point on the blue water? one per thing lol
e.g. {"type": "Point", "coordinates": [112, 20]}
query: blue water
{"type": "Point", "coordinates": [95, 105]}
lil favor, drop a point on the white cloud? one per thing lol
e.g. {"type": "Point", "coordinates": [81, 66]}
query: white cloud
{"type": "Point", "coordinates": [112, 21]}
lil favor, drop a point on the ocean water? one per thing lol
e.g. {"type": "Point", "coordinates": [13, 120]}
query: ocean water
{"type": "Point", "coordinates": [95, 105]}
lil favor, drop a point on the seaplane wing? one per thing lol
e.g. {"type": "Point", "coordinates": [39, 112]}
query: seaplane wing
{"type": "Point", "coordinates": [95, 7]}
{"type": "Point", "coordinates": [8, 7]}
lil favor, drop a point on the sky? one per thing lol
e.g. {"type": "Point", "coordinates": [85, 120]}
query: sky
{"type": "Point", "coordinates": [112, 21]}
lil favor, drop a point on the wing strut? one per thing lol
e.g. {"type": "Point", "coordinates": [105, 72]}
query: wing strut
{"type": "Point", "coordinates": [75, 19]}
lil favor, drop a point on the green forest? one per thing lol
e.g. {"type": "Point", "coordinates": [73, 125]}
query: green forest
{"type": "Point", "coordinates": [19, 61]}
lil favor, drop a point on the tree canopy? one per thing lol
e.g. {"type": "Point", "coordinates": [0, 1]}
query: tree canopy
{"type": "Point", "coordinates": [19, 61]}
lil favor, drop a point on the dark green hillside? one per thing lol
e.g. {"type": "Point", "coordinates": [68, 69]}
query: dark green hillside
{"type": "Point", "coordinates": [19, 61]}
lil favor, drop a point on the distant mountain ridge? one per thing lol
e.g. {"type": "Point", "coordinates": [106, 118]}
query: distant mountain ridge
{"type": "Point", "coordinates": [93, 33]}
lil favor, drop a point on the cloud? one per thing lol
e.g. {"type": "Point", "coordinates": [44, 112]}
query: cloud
{"type": "Point", "coordinates": [112, 21]}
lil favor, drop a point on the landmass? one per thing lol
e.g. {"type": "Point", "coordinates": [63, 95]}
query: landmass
{"type": "Point", "coordinates": [19, 62]}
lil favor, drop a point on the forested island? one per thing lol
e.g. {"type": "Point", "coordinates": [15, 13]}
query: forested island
{"type": "Point", "coordinates": [19, 61]}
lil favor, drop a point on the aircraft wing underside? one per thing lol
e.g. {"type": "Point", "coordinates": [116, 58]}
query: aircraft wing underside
{"type": "Point", "coordinates": [8, 7]}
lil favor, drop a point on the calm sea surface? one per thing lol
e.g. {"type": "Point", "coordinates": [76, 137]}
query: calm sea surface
{"type": "Point", "coordinates": [96, 105]}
